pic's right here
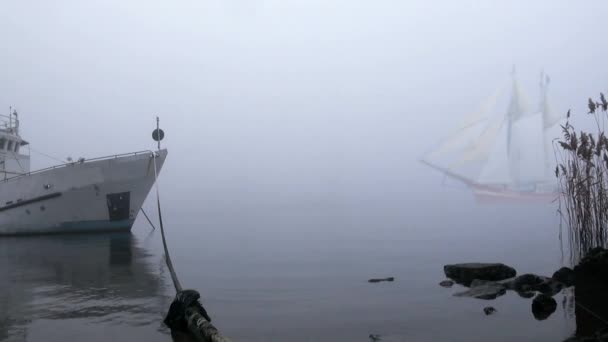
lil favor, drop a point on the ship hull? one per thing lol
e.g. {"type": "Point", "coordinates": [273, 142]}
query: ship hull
{"type": "Point", "coordinates": [90, 196]}
{"type": "Point", "coordinates": [485, 194]}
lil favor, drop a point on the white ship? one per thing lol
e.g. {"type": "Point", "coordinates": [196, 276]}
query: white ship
{"type": "Point", "coordinates": [504, 151]}
{"type": "Point", "coordinates": [99, 194]}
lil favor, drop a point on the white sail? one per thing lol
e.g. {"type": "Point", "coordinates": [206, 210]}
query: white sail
{"type": "Point", "coordinates": [496, 169]}
{"type": "Point", "coordinates": [504, 143]}
{"type": "Point", "coordinates": [527, 150]}
{"type": "Point", "coordinates": [469, 129]}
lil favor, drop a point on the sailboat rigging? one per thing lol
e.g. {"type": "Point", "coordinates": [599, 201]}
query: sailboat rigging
{"type": "Point", "coordinates": [503, 151]}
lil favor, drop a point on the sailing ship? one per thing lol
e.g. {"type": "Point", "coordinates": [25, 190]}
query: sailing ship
{"type": "Point", "coordinates": [87, 195]}
{"type": "Point", "coordinates": [504, 150]}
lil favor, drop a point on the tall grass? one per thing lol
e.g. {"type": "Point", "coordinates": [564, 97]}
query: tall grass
{"type": "Point", "coordinates": [582, 173]}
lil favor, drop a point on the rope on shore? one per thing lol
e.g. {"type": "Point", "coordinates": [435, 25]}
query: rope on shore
{"type": "Point", "coordinates": [189, 311]}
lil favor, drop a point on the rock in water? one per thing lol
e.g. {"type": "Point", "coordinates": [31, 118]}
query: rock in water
{"type": "Point", "coordinates": [565, 276]}
{"type": "Point", "coordinates": [375, 337]}
{"type": "Point", "coordinates": [465, 273]}
{"type": "Point", "coordinates": [488, 310]}
{"type": "Point", "coordinates": [591, 282]}
{"type": "Point", "coordinates": [526, 294]}
{"type": "Point", "coordinates": [377, 280]}
{"type": "Point", "coordinates": [550, 287]}
{"type": "Point", "coordinates": [525, 283]}
{"type": "Point", "coordinates": [483, 290]}
{"type": "Point", "coordinates": [446, 283]}
{"type": "Point", "coordinates": [543, 306]}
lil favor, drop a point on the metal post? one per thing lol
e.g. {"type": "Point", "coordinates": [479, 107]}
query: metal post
{"type": "Point", "coordinates": [158, 131]}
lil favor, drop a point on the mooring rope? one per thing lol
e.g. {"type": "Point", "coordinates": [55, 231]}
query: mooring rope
{"type": "Point", "coordinates": [197, 324]}
{"type": "Point", "coordinates": [147, 218]}
{"type": "Point", "coordinates": [176, 283]}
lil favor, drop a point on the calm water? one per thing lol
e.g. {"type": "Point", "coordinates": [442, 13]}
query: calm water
{"type": "Point", "coordinates": [294, 269]}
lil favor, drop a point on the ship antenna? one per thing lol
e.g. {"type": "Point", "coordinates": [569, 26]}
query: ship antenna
{"type": "Point", "coordinates": [158, 128]}
{"type": "Point", "coordinates": [158, 133]}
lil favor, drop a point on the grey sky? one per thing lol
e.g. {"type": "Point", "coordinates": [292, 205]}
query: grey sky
{"type": "Point", "coordinates": [276, 93]}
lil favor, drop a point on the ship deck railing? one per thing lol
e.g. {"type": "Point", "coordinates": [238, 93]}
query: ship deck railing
{"type": "Point", "coordinates": [72, 163]}
{"type": "Point", "coordinates": [8, 123]}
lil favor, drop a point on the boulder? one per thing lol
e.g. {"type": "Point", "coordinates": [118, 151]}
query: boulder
{"type": "Point", "coordinates": [594, 264]}
{"type": "Point", "coordinates": [483, 290]}
{"type": "Point", "coordinates": [591, 282]}
{"type": "Point", "coordinates": [465, 273]}
{"type": "Point", "coordinates": [488, 310]}
{"type": "Point", "coordinates": [543, 306]}
{"type": "Point", "coordinates": [565, 276]}
{"type": "Point", "coordinates": [529, 283]}
{"type": "Point", "coordinates": [525, 283]}
{"type": "Point", "coordinates": [550, 287]}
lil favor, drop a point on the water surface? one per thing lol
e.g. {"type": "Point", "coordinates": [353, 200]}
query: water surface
{"type": "Point", "coordinates": [294, 270]}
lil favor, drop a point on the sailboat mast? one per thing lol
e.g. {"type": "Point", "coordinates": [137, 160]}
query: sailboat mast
{"type": "Point", "coordinates": [544, 109]}
{"type": "Point", "coordinates": [513, 113]}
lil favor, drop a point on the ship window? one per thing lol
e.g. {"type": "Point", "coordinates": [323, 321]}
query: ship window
{"type": "Point", "coordinates": [2, 143]}
{"type": "Point", "coordinates": [10, 145]}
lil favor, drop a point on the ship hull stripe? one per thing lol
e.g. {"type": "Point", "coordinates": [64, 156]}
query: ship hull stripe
{"type": "Point", "coordinates": [30, 201]}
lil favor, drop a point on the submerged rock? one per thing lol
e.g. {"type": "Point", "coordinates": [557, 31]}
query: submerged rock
{"type": "Point", "coordinates": [526, 294]}
{"type": "Point", "coordinates": [377, 280]}
{"type": "Point", "coordinates": [565, 276]}
{"type": "Point", "coordinates": [375, 337]}
{"type": "Point", "coordinates": [483, 290]}
{"type": "Point", "coordinates": [446, 283]}
{"type": "Point", "coordinates": [529, 283]}
{"type": "Point", "coordinates": [488, 310]}
{"type": "Point", "coordinates": [525, 283]}
{"type": "Point", "coordinates": [465, 273]}
{"type": "Point", "coordinates": [543, 306]}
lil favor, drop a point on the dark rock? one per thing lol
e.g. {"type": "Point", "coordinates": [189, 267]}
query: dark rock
{"type": "Point", "coordinates": [484, 290]}
{"type": "Point", "coordinates": [526, 294]}
{"type": "Point", "coordinates": [446, 283]}
{"type": "Point", "coordinates": [543, 306]}
{"type": "Point", "coordinates": [591, 282]}
{"type": "Point", "coordinates": [377, 280]}
{"type": "Point", "coordinates": [550, 287]}
{"type": "Point", "coordinates": [565, 276]}
{"type": "Point", "coordinates": [595, 264]}
{"type": "Point", "coordinates": [374, 337]}
{"type": "Point", "coordinates": [465, 273]}
{"type": "Point", "coordinates": [488, 310]}
{"type": "Point", "coordinates": [525, 283]}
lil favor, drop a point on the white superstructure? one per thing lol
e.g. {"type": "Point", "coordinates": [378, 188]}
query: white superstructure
{"type": "Point", "coordinates": [99, 194]}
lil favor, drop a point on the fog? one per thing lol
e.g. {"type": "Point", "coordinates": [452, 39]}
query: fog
{"type": "Point", "coordinates": [282, 98]}
{"type": "Point", "coordinates": [295, 130]}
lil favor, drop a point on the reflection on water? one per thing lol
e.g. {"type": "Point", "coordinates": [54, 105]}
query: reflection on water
{"type": "Point", "coordinates": [51, 282]}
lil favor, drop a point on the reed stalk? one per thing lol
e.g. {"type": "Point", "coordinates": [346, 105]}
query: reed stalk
{"type": "Point", "coordinates": [582, 174]}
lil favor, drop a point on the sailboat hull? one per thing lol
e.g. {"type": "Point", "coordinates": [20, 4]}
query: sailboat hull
{"type": "Point", "coordinates": [93, 196]}
{"type": "Point", "coordinates": [487, 194]}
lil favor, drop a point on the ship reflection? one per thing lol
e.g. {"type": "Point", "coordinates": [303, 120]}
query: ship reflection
{"type": "Point", "coordinates": [100, 279]}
